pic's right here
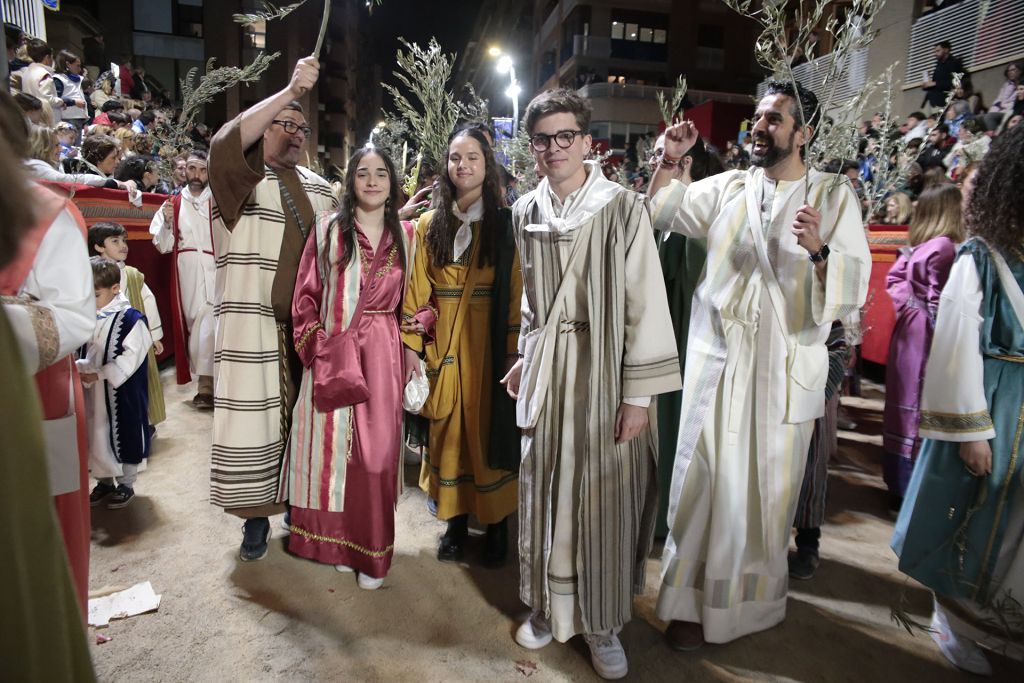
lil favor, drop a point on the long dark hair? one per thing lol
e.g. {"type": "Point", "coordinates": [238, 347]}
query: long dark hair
{"type": "Point", "coordinates": [346, 216]}
{"type": "Point", "coordinates": [996, 208]}
{"type": "Point", "coordinates": [443, 226]}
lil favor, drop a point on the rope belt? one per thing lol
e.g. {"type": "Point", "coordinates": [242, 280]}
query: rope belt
{"type": "Point", "coordinates": [1009, 359]}
{"type": "Point", "coordinates": [573, 326]}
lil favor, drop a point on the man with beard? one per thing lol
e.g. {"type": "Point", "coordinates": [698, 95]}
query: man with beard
{"type": "Point", "coordinates": [184, 227]}
{"type": "Point", "coordinates": [785, 258]}
{"type": "Point", "coordinates": [264, 207]}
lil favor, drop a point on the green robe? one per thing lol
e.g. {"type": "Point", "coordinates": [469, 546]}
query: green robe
{"type": "Point", "coordinates": [682, 261]}
{"type": "Point", "coordinates": [42, 634]}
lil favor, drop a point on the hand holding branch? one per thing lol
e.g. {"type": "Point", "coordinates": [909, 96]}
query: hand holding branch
{"type": "Point", "coordinates": [680, 139]}
{"type": "Point", "coordinates": [807, 228]}
{"type": "Point", "coordinates": [307, 71]}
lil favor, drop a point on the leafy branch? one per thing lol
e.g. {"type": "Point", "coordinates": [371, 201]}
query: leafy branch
{"type": "Point", "coordinates": [669, 108]}
{"type": "Point", "coordinates": [174, 137]}
{"type": "Point", "coordinates": [431, 111]}
{"type": "Point", "coordinates": [270, 12]}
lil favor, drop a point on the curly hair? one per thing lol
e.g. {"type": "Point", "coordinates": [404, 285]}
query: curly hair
{"type": "Point", "coordinates": [443, 225]}
{"type": "Point", "coordinates": [995, 211]}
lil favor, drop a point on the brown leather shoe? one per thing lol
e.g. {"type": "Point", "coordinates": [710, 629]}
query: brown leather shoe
{"type": "Point", "coordinates": [684, 636]}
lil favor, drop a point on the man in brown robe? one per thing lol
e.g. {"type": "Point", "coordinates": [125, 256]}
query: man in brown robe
{"type": "Point", "coordinates": [265, 204]}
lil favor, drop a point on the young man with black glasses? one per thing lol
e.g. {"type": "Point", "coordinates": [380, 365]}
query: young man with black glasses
{"type": "Point", "coordinates": [264, 206]}
{"type": "Point", "coordinates": [596, 345]}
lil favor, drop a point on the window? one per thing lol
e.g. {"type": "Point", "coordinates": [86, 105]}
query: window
{"type": "Point", "coordinates": [617, 29]}
{"type": "Point", "coordinates": [710, 47]}
{"type": "Point", "coordinates": [646, 35]}
{"type": "Point", "coordinates": [660, 36]}
{"type": "Point", "coordinates": [631, 31]}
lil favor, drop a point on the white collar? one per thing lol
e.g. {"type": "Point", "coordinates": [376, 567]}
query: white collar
{"type": "Point", "coordinates": [580, 206]}
{"type": "Point", "coordinates": [464, 236]}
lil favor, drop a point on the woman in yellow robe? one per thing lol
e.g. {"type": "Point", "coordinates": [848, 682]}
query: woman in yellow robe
{"type": "Point", "coordinates": [472, 463]}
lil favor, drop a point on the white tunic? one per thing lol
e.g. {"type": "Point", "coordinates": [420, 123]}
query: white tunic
{"type": "Point", "coordinates": [197, 272]}
{"type": "Point", "coordinates": [754, 383]}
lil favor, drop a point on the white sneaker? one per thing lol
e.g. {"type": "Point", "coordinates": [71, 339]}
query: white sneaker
{"type": "Point", "coordinates": [344, 568]}
{"type": "Point", "coordinates": [368, 583]}
{"type": "Point", "coordinates": [607, 656]}
{"type": "Point", "coordinates": [962, 653]}
{"type": "Point", "coordinates": [534, 633]}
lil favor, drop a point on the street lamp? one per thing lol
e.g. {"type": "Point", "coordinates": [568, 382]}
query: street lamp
{"type": "Point", "coordinates": [507, 66]}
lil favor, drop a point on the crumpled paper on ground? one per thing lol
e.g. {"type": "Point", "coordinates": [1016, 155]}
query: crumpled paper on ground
{"type": "Point", "coordinates": [138, 599]}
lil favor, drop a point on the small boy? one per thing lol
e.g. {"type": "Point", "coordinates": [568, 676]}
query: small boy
{"type": "Point", "coordinates": [67, 137]}
{"type": "Point", "coordinates": [111, 241]}
{"type": "Point", "coordinates": [116, 397]}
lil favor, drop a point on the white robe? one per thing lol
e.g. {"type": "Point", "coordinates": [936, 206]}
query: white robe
{"type": "Point", "coordinates": [52, 315]}
{"type": "Point", "coordinates": [752, 389]}
{"type": "Point", "coordinates": [197, 272]}
{"type": "Point", "coordinates": [102, 461]}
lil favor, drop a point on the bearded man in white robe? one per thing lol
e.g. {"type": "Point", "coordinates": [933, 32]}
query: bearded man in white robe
{"type": "Point", "coordinates": [786, 256]}
{"type": "Point", "coordinates": [184, 227]}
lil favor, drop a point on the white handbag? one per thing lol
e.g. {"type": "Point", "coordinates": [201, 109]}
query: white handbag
{"type": "Point", "coordinates": [417, 390]}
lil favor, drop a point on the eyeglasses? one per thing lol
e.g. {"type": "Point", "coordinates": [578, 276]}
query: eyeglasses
{"type": "Point", "coordinates": [292, 128]}
{"type": "Point", "coordinates": [563, 138]}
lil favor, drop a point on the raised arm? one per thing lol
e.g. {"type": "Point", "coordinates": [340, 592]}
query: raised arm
{"type": "Point", "coordinates": [256, 119]}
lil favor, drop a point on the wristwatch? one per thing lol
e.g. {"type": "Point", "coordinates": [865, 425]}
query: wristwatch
{"type": "Point", "coordinates": [821, 255]}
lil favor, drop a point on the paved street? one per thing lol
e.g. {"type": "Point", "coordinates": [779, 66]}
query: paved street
{"type": "Point", "coordinates": [288, 619]}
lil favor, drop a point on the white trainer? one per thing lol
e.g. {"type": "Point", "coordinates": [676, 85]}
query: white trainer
{"type": "Point", "coordinates": [962, 653]}
{"type": "Point", "coordinates": [607, 656]}
{"type": "Point", "coordinates": [368, 583]}
{"type": "Point", "coordinates": [534, 633]}
{"type": "Point", "coordinates": [344, 568]}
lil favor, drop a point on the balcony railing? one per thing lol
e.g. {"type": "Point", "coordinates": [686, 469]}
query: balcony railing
{"type": "Point", "coordinates": [649, 92]}
{"type": "Point", "coordinates": [984, 33]}
{"type": "Point", "coordinates": [852, 76]}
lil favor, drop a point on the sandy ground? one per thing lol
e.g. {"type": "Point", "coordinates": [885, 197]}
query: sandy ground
{"type": "Point", "coordinates": [289, 619]}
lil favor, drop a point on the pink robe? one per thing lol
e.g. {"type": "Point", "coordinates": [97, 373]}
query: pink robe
{"type": "Point", "coordinates": [914, 283]}
{"type": "Point", "coordinates": [369, 440]}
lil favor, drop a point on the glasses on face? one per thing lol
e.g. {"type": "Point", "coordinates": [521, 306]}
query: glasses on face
{"type": "Point", "coordinates": [563, 138]}
{"type": "Point", "coordinates": [292, 128]}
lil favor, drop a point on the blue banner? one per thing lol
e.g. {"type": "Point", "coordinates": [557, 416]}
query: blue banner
{"type": "Point", "coordinates": [52, 5]}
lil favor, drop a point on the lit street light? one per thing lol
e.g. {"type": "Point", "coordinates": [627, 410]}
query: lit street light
{"type": "Point", "coordinates": [506, 65]}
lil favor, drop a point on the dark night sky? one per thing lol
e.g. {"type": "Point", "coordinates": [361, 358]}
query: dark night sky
{"type": "Point", "coordinates": [450, 21]}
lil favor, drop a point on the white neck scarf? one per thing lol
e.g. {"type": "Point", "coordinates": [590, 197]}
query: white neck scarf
{"type": "Point", "coordinates": [595, 194]}
{"type": "Point", "coordinates": [464, 236]}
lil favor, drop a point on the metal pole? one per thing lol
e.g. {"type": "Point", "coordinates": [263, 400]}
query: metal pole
{"type": "Point", "coordinates": [515, 102]}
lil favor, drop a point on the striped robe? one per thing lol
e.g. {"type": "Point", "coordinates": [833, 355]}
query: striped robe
{"type": "Point", "coordinates": [586, 504]}
{"type": "Point", "coordinates": [258, 244]}
{"type": "Point", "coordinates": [752, 390]}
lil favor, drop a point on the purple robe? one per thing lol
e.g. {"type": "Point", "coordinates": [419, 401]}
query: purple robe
{"type": "Point", "coordinates": [914, 283]}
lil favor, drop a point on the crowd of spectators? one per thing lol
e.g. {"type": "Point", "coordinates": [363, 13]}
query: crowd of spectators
{"type": "Point", "coordinates": [104, 130]}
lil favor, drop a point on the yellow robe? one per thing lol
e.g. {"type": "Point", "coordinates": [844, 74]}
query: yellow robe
{"type": "Point", "coordinates": [458, 476]}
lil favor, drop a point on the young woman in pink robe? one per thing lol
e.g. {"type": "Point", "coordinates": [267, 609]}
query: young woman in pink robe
{"type": "Point", "coordinates": [341, 473]}
{"type": "Point", "coordinates": [915, 283]}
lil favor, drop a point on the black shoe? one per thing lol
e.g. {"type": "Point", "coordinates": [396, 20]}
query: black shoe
{"type": "Point", "coordinates": [453, 544]}
{"type": "Point", "coordinates": [121, 497]}
{"type": "Point", "coordinates": [895, 505]}
{"type": "Point", "coordinates": [100, 492]}
{"type": "Point", "coordinates": [802, 563]}
{"type": "Point", "coordinates": [495, 545]}
{"type": "Point", "coordinates": [255, 534]}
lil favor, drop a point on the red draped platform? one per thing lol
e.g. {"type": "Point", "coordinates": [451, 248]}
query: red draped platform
{"type": "Point", "coordinates": [879, 316]}
{"type": "Point", "coordinates": [98, 205]}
